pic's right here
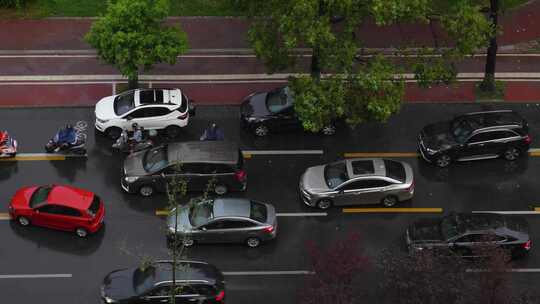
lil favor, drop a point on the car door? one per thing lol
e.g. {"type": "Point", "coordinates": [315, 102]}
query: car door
{"type": "Point", "coordinates": [287, 120]}
{"type": "Point", "coordinates": [47, 216]}
{"type": "Point", "coordinates": [463, 245]}
{"type": "Point", "coordinates": [194, 173]}
{"type": "Point", "coordinates": [159, 294]}
{"type": "Point", "coordinates": [166, 176]}
{"type": "Point", "coordinates": [71, 218]}
{"type": "Point", "coordinates": [159, 117]}
{"type": "Point", "coordinates": [212, 232]}
{"type": "Point", "coordinates": [223, 174]}
{"type": "Point", "coordinates": [478, 144]}
{"type": "Point", "coordinates": [502, 139]}
{"type": "Point", "coordinates": [238, 230]}
{"type": "Point", "coordinates": [141, 115]}
{"type": "Point", "coordinates": [361, 192]}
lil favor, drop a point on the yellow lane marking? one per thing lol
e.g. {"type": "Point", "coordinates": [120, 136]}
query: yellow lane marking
{"type": "Point", "coordinates": [4, 216]}
{"type": "Point", "coordinates": [380, 154]}
{"type": "Point", "coordinates": [162, 212]}
{"type": "Point", "coordinates": [537, 209]}
{"type": "Point", "coordinates": [534, 153]}
{"type": "Point", "coordinates": [52, 157]}
{"type": "Point", "coordinates": [246, 155]}
{"type": "Point", "coordinates": [392, 210]}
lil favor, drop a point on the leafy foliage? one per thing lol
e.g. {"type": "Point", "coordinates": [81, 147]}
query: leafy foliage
{"type": "Point", "coordinates": [131, 36]}
{"type": "Point", "coordinates": [357, 91]}
{"type": "Point", "coordinates": [11, 3]}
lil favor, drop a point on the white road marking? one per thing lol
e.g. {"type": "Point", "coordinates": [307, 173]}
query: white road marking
{"type": "Point", "coordinates": [510, 212]}
{"type": "Point", "coordinates": [523, 270]}
{"type": "Point", "coordinates": [267, 273]}
{"type": "Point", "coordinates": [282, 152]}
{"type": "Point", "coordinates": [45, 155]}
{"type": "Point", "coordinates": [302, 214]}
{"type": "Point", "coordinates": [36, 276]}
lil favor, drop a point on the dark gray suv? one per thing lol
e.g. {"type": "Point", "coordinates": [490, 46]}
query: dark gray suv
{"type": "Point", "coordinates": [199, 162]}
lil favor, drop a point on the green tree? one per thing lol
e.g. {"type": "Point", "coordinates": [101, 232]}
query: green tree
{"type": "Point", "coordinates": [131, 36]}
{"type": "Point", "coordinates": [358, 90]}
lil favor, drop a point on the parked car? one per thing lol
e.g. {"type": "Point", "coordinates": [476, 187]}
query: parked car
{"type": "Point", "coordinates": [198, 162]}
{"type": "Point", "coordinates": [198, 282]}
{"type": "Point", "coordinates": [224, 220]}
{"type": "Point", "coordinates": [58, 207]}
{"type": "Point", "coordinates": [152, 109]}
{"type": "Point", "coordinates": [357, 181]}
{"type": "Point", "coordinates": [269, 112]}
{"type": "Point", "coordinates": [464, 234]}
{"type": "Point", "coordinates": [474, 136]}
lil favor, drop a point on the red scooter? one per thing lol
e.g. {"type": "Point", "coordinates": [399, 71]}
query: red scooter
{"type": "Point", "coordinates": [8, 145]}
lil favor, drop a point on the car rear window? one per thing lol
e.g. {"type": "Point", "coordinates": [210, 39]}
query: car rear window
{"type": "Point", "coordinates": [395, 170]}
{"type": "Point", "coordinates": [39, 196]}
{"type": "Point", "coordinates": [258, 212]}
{"type": "Point", "coordinates": [183, 104]}
{"type": "Point", "coordinates": [94, 207]}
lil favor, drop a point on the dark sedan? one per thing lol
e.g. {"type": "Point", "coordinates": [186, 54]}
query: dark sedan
{"type": "Point", "coordinates": [270, 112]}
{"type": "Point", "coordinates": [466, 234]}
{"type": "Point", "coordinates": [199, 282]}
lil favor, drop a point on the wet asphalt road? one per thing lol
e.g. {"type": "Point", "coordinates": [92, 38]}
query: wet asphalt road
{"type": "Point", "coordinates": [132, 226]}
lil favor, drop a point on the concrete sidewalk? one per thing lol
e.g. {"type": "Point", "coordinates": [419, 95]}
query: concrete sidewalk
{"type": "Point", "coordinates": [520, 25]}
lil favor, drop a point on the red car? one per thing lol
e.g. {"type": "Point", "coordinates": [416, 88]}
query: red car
{"type": "Point", "coordinates": [58, 207]}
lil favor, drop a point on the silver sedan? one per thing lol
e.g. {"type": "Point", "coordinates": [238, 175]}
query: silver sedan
{"type": "Point", "coordinates": [357, 181]}
{"type": "Point", "coordinates": [223, 220]}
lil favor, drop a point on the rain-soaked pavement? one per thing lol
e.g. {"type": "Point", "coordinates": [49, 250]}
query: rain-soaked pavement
{"type": "Point", "coordinates": [133, 230]}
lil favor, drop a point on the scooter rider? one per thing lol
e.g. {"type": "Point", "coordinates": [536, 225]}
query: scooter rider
{"type": "Point", "coordinates": [137, 133]}
{"type": "Point", "coordinates": [213, 132]}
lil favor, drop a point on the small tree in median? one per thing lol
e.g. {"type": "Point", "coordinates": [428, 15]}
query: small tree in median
{"type": "Point", "coordinates": [131, 36]}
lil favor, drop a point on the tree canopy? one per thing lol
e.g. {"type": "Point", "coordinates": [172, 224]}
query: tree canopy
{"type": "Point", "coordinates": [131, 36]}
{"type": "Point", "coordinates": [358, 89]}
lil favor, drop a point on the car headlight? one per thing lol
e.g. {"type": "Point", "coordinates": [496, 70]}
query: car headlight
{"type": "Point", "coordinates": [431, 151]}
{"type": "Point", "coordinates": [131, 179]}
{"type": "Point", "coordinates": [102, 120]}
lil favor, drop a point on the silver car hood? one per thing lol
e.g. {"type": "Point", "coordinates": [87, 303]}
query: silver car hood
{"type": "Point", "coordinates": [313, 180]}
{"type": "Point", "coordinates": [183, 220]}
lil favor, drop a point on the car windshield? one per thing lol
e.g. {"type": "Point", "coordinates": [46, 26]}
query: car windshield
{"type": "Point", "coordinates": [155, 159]}
{"type": "Point", "coordinates": [124, 103]}
{"type": "Point", "coordinates": [94, 207]}
{"type": "Point", "coordinates": [201, 213]}
{"type": "Point", "coordinates": [39, 196]}
{"type": "Point", "coordinates": [449, 227]}
{"type": "Point", "coordinates": [258, 212]}
{"type": "Point", "coordinates": [278, 100]}
{"type": "Point", "coordinates": [143, 281]}
{"type": "Point", "coordinates": [335, 174]}
{"type": "Point", "coordinates": [461, 130]}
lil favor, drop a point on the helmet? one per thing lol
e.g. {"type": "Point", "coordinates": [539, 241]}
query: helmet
{"type": "Point", "coordinates": [134, 125]}
{"type": "Point", "coordinates": [213, 126]}
{"type": "Point", "coordinates": [69, 126]}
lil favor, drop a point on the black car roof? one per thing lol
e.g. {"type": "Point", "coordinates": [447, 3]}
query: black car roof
{"type": "Point", "coordinates": [189, 271]}
{"type": "Point", "coordinates": [222, 152]}
{"type": "Point", "coordinates": [480, 120]}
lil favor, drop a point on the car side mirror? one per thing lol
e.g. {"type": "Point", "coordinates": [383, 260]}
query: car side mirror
{"type": "Point", "coordinates": [129, 117]}
{"type": "Point", "coordinates": [191, 109]}
{"type": "Point", "coordinates": [37, 211]}
{"type": "Point", "coordinates": [162, 174]}
{"type": "Point", "coordinates": [203, 228]}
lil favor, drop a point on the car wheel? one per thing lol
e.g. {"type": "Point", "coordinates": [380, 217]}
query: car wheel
{"type": "Point", "coordinates": [261, 130]}
{"type": "Point", "coordinates": [188, 242]}
{"type": "Point", "coordinates": [23, 221]}
{"type": "Point", "coordinates": [172, 131]}
{"type": "Point", "coordinates": [253, 242]}
{"type": "Point", "coordinates": [113, 132]}
{"type": "Point", "coordinates": [443, 161]}
{"type": "Point", "coordinates": [329, 130]}
{"type": "Point", "coordinates": [390, 201]}
{"type": "Point", "coordinates": [512, 153]}
{"type": "Point", "coordinates": [146, 190]}
{"type": "Point", "coordinates": [220, 189]}
{"type": "Point", "coordinates": [324, 204]}
{"type": "Point", "coordinates": [81, 232]}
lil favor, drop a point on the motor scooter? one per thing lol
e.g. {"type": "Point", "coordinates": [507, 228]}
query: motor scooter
{"type": "Point", "coordinates": [67, 140]}
{"type": "Point", "coordinates": [8, 145]}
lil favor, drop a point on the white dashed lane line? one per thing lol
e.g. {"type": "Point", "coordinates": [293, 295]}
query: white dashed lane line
{"type": "Point", "coordinates": [37, 276]}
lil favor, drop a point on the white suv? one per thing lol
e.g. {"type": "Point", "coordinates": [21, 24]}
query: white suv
{"type": "Point", "coordinates": [153, 109]}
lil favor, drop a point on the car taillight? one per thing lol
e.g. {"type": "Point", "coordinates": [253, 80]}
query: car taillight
{"type": "Point", "coordinates": [411, 186]}
{"type": "Point", "coordinates": [269, 229]}
{"type": "Point", "coordinates": [183, 116]}
{"type": "Point", "coordinates": [527, 139]}
{"type": "Point", "coordinates": [527, 245]}
{"type": "Point", "coordinates": [220, 296]}
{"type": "Point", "coordinates": [240, 175]}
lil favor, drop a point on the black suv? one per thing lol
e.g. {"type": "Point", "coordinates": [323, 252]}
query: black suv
{"type": "Point", "coordinates": [268, 112]}
{"type": "Point", "coordinates": [198, 162]}
{"type": "Point", "coordinates": [473, 136]}
{"type": "Point", "coordinates": [463, 234]}
{"type": "Point", "coordinates": [197, 282]}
